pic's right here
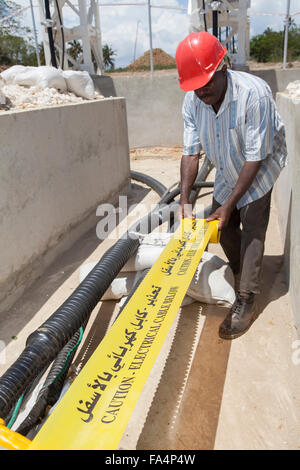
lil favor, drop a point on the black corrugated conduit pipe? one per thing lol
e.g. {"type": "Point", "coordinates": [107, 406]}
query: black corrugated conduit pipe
{"type": "Point", "coordinates": [156, 185]}
{"type": "Point", "coordinates": [13, 414]}
{"type": "Point", "coordinates": [169, 196]}
{"type": "Point", "coordinates": [44, 344]}
{"type": "Point", "coordinates": [198, 184]}
{"type": "Point", "coordinates": [53, 385]}
{"type": "Point", "coordinates": [51, 390]}
{"type": "Point", "coordinates": [196, 187]}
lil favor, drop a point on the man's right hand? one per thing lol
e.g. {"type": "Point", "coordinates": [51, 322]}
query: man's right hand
{"type": "Point", "coordinates": [188, 173]}
{"type": "Point", "coordinates": [185, 210]}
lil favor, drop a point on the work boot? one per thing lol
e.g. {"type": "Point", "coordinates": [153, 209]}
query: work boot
{"type": "Point", "coordinates": [237, 280]}
{"type": "Point", "coordinates": [240, 318]}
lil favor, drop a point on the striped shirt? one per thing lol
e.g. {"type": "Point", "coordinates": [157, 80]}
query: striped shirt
{"type": "Point", "coordinates": [247, 127]}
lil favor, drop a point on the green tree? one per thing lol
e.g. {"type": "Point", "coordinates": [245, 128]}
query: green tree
{"type": "Point", "coordinates": [16, 46]}
{"type": "Point", "coordinates": [75, 49]}
{"type": "Point", "coordinates": [268, 47]}
{"type": "Point", "coordinates": [16, 50]}
{"type": "Point", "coordinates": [108, 60]}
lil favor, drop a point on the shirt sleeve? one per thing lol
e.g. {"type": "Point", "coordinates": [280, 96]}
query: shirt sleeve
{"type": "Point", "coordinates": [259, 129]}
{"type": "Point", "coordinates": [191, 139]}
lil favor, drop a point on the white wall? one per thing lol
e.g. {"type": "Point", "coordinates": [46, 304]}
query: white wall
{"type": "Point", "coordinates": [287, 199]}
{"type": "Point", "coordinates": [154, 103]}
{"type": "Point", "coordinates": [56, 165]}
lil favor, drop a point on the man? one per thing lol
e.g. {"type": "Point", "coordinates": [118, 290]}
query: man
{"type": "Point", "coordinates": [232, 117]}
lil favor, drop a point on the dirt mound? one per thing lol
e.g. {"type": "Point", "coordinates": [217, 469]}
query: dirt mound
{"type": "Point", "coordinates": [160, 58]}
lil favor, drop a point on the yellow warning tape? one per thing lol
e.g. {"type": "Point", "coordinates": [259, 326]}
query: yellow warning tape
{"type": "Point", "coordinates": [12, 440]}
{"type": "Point", "coordinates": [94, 412]}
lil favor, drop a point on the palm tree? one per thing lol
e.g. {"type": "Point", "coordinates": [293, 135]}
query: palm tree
{"type": "Point", "coordinates": [75, 49]}
{"type": "Point", "coordinates": [108, 54]}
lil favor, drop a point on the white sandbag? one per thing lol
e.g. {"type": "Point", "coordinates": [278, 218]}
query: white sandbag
{"type": "Point", "coordinates": [187, 301]}
{"type": "Point", "coordinates": [213, 282]}
{"type": "Point", "coordinates": [42, 77]}
{"type": "Point", "coordinates": [80, 83]}
{"type": "Point", "coordinates": [120, 286]}
{"type": "Point", "coordinates": [151, 246]}
{"type": "Point", "coordinates": [156, 238]}
{"type": "Point", "coordinates": [11, 73]}
{"type": "Point", "coordinates": [2, 97]}
{"type": "Point", "coordinates": [144, 258]}
{"type": "Point", "coordinates": [5, 103]}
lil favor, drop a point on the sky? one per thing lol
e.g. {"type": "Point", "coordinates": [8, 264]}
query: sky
{"type": "Point", "coordinates": [124, 27]}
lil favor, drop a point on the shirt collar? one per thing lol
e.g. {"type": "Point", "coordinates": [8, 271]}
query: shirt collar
{"type": "Point", "coordinates": [230, 95]}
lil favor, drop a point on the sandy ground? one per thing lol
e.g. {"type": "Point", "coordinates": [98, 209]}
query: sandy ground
{"type": "Point", "coordinates": [204, 392]}
{"type": "Point", "coordinates": [250, 63]}
{"type": "Point", "coordinates": [271, 65]}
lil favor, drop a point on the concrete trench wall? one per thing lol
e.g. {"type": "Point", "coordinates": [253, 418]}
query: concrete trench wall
{"type": "Point", "coordinates": [57, 165]}
{"type": "Point", "coordinates": [153, 107]}
{"type": "Point", "coordinates": [287, 199]}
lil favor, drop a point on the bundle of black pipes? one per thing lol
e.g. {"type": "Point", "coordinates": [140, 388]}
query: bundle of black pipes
{"type": "Point", "coordinates": [43, 345]}
{"type": "Point", "coordinates": [53, 385]}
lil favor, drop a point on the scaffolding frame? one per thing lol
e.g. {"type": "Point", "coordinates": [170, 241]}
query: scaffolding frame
{"type": "Point", "coordinates": [228, 14]}
{"type": "Point", "coordinates": [88, 31]}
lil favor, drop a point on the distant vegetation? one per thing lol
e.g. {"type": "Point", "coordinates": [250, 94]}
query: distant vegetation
{"type": "Point", "coordinates": [17, 45]}
{"type": "Point", "coordinates": [268, 47]}
{"type": "Point", "coordinates": [141, 68]}
{"type": "Point", "coordinates": [16, 42]}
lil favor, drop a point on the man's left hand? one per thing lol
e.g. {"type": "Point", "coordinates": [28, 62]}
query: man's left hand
{"type": "Point", "coordinates": [222, 214]}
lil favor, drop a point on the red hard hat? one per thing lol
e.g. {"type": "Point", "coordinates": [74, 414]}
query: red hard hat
{"type": "Point", "coordinates": [197, 59]}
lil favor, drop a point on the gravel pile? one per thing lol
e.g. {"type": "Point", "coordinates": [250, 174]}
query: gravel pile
{"type": "Point", "coordinates": [293, 89]}
{"type": "Point", "coordinates": [160, 58]}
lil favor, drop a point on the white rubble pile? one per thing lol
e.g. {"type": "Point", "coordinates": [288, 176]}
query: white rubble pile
{"type": "Point", "coordinates": [33, 87]}
{"type": "Point", "coordinates": [34, 97]}
{"type": "Point", "coordinates": [293, 89]}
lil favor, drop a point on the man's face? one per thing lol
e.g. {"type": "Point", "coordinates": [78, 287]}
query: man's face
{"type": "Point", "coordinates": [214, 91]}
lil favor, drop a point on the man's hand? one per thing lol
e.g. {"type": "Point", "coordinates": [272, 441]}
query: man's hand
{"type": "Point", "coordinates": [222, 214]}
{"type": "Point", "coordinates": [185, 210]}
{"type": "Point", "coordinates": [188, 172]}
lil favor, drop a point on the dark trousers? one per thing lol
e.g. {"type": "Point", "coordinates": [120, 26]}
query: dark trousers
{"type": "Point", "coordinates": [243, 241]}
